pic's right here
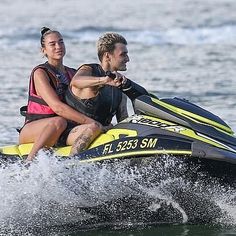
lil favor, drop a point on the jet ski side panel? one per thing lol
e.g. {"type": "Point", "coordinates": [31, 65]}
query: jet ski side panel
{"type": "Point", "coordinates": [145, 105]}
{"type": "Point", "coordinates": [197, 112]}
{"type": "Point", "coordinates": [182, 109]}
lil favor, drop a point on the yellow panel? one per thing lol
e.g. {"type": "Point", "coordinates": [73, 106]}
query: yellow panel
{"type": "Point", "coordinates": [24, 149]}
{"type": "Point", "coordinates": [10, 150]}
{"type": "Point", "coordinates": [63, 151]}
{"type": "Point", "coordinates": [103, 138]}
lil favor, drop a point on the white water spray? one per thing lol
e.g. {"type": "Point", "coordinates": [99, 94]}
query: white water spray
{"type": "Point", "coordinates": [54, 193]}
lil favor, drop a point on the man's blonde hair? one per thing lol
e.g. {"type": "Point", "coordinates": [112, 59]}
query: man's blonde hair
{"type": "Point", "coordinates": [106, 43]}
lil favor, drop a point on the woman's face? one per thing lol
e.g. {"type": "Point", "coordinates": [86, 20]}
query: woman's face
{"type": "Point", "coordinates": [54, 47]}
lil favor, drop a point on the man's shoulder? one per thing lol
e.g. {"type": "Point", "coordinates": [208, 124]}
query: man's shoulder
{"type": "Point", "coordinates": [94, 68]}
{"type": "Point", "coordinates": [89, 65]}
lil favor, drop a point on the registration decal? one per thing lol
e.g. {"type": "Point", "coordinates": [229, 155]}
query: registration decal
{"type": "Point", "coordinates": [129, 145]}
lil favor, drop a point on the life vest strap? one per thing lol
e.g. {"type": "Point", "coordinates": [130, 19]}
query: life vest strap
{"type": "Point", "coordinates": [29, 116]}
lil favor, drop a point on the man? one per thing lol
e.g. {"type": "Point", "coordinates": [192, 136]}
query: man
{"type": "Point", "coordinates": [94, 92]}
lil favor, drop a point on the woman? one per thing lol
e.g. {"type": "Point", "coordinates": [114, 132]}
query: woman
{"type": "Point", "coordinates": [49, 121]}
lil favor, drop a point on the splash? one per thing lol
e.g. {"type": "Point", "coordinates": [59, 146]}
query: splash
{"type": "Point", "coordinates": [53, 193]}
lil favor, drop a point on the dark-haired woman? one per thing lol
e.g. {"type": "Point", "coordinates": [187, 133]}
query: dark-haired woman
{"type": "Point", "coordinates": [49, 121]}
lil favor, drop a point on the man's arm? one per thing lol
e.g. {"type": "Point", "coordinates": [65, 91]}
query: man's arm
{"type": "Point", "coordinates": [133, 90]}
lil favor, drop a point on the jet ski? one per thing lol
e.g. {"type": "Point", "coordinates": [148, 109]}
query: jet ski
{"type": "Point", "coordinates": [168, 126]}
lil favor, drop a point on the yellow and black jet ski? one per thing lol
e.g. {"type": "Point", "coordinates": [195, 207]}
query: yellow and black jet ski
{"type": "Point", "coordinates": [171, 126]}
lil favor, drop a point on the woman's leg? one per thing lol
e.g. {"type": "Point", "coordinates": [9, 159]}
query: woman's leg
{"type": "Point", "coordinates": [43, 132]}
{"type": "Point", "coordinates": [81, 136]}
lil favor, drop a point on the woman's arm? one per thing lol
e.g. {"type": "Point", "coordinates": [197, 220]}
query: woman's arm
{"type": "Point", "coordinates": [45, 90]}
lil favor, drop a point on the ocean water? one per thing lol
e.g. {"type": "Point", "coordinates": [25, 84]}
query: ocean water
{"type": "Point", "coordinates": [182, 48]}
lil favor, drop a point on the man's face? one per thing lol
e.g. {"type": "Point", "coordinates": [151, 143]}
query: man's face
{"type": "Point", "coordinates": [119, 57]}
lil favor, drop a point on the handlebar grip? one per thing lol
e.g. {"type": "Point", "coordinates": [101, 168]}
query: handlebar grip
{"type": "Point", "coordinates": [110, 74]}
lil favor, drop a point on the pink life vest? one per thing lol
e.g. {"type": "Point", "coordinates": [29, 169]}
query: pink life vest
{"type": "Point", "coordinates": [37, 108]}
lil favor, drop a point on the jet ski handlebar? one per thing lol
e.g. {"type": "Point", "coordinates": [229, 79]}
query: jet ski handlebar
{"type": "Point", "coordinates": [130, 88]}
